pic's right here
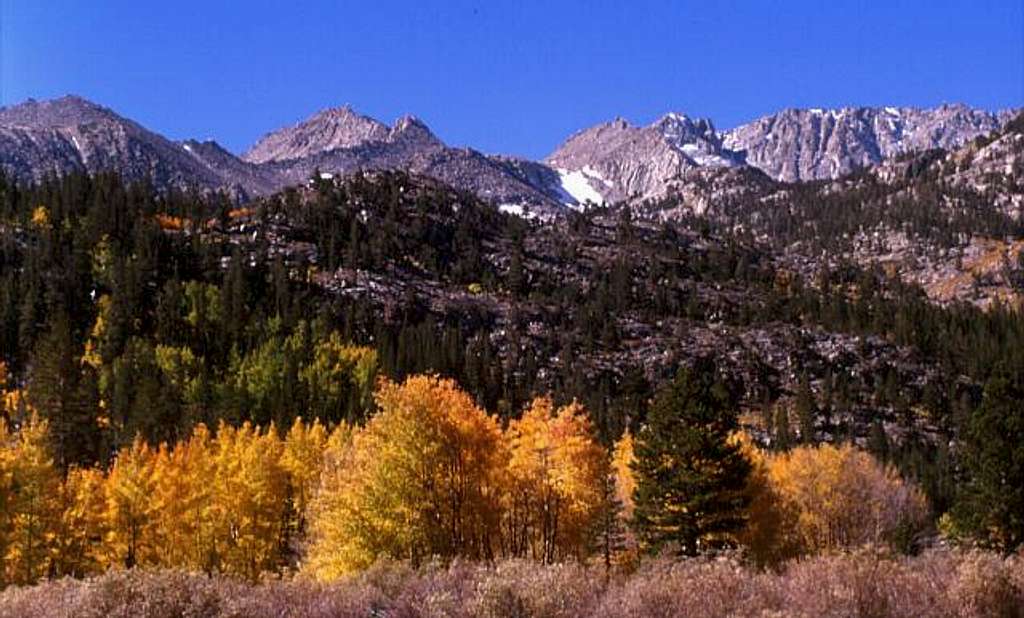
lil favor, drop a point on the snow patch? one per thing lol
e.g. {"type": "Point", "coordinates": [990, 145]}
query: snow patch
{"type": "Point", "coordinates": [187, 147]}
{"type": "Point", "coordinates": [74, 140]}
{"type": "Point", "coordinates": [706, 159]}
{"type": "Point", "coordinates": [576, 185]}
{"type": "Point", "coordinates": [519, 210]}
{"type": "Point", "coordinates": [511, 209]}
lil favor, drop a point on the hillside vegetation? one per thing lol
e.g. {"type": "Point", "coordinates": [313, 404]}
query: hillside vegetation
{"type": "Point", "coordinates": [383, 370]}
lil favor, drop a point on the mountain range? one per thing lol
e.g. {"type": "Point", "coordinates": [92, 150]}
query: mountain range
{"type": "Point", "coordinates": [610, 162]}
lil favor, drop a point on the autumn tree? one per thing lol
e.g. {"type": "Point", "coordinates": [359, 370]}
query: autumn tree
{"type": "Point", "coordinates": [302, 459]}
{"type": "Point", "coordinates": [78, 539]}
{"type": "Point", "coordinates": [422, 478]}
{"type": "Point", "coordinates": [249, 493]}
{"type": "Point", "coordinates": [340, 379]}
{"type": "Point", "coordinates": [130, 514]}
{"type": "Point", "coordinates": [770, 534]}
{"type": "Point", "coordinates": [622, 462]}
{"type": "Point", "coordinates": [557, 478]}
{"type": "Point", "coordinates": [840, 497]}
{"type": "Point", "coordinates": [29, 501]}
{"type": "Point", "coordinates": [690, 477]}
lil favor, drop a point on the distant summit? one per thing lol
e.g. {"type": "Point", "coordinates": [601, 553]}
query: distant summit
{"type": "Point", "coordinates": [327, 130]}
{"type": "Point", "coordinates": [609, 162]}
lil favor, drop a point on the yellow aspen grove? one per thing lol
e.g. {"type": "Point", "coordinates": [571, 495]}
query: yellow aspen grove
{"type": "Point", "coordinates": [842, 497]}
{"type": "Point", "coordinates": [250, 490]}
{"type": "Point", "coordinates": [174, 489]}
{"type": "Point", "coordinates": [323, 519]}
{"type": "Point", "coordinates": [130, 511]}
{"type": "Point", "coordinates": [34, 508]}
{"type": "Point", "coordinates": [557, 471]}
{"type": "Point", "coordinates": [422, 478]}
{"type": "Point", "coordinates": [770, 534]}
{"type": "Point", "coordinates": [198, 528]}
{"type": "Point", "coordinates": [302, 460]}
{"type": "Point", "coordinates": [625, 485]}
{"type": "Point", "coordinates": [80, 536]}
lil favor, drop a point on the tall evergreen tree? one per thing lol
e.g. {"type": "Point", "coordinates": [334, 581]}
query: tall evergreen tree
{"type": "Point", "coordinates": [991, 505]}
{"type": "Point", "coordinates": [690, 477]}
{"type": "Point", "coordinates": [806, 410]}
{"type": "Point", "coordinates": [64, 396]}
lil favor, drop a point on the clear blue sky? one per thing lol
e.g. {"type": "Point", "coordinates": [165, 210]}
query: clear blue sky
{"type": "Point", "coordinates": [512, 77]}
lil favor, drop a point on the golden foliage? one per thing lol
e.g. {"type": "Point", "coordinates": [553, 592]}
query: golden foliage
{"type": "Point", "coordinates": [41, 217]}
{"type": "Point", "coordinates": [171, 223]}
{"type": "Point", "coordinates": [302, 460]}
{"type": "Point", "coordinates": [556, 472]}
{"type": "Point", "coordinates": [622, 468]}
{"type": "Point", "coordinates": [29, 502]}
{"type": "Point", "coordinates": [129, 513]}
{"type": "Point", "coordinates": [824, 498]}
{"type": "Point", "coordinates": [422, 478]}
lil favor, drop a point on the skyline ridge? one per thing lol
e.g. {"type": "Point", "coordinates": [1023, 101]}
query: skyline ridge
{"type": "Point", "coordinates": [415, 117]}
{"type": "Point", "coordinates": [506, 77]}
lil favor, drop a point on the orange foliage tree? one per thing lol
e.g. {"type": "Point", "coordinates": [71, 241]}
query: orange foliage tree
{"type": "Point", "coordinates": [556, 472]}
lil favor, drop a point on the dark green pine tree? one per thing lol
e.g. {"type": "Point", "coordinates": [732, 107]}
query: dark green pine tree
{"type": "Point", "coordinates": [806, 410]}
{"type": "Point", "coordinates": [690, 478]}
{"type": "Point", "coordinates": [65, 395]}
{"type": "Point", "coordinates": [783, 435]}
{"type": "Point", "coordinates": [609, 532]}
{"type": "Point", "coordinates": [991, 504]}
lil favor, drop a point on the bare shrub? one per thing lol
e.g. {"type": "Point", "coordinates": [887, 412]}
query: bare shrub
{"type": "Point", "coordinates": [868, 583]}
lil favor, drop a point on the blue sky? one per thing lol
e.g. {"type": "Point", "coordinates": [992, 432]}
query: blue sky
{"type": "Point", "coordinates": [512, 77]}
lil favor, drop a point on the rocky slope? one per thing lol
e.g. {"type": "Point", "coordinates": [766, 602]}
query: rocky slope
{"type": "Point", "coordinates": [72, 134]}
{"type": "Point", "coordinates": [325, 131]}
{"type": "Point", "coordinates": [296, 153]}
{"type": "Point", "coordinates": [947, 221]}
{"type": "Point", "coordinates": [812, 144]}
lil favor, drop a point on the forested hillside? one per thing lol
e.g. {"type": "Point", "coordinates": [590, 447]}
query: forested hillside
{"type": "Point", "coordinates": [382, 366]}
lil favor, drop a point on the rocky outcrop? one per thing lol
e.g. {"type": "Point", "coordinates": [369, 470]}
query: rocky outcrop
{"type": "Point", "coordinates": [811, 144]}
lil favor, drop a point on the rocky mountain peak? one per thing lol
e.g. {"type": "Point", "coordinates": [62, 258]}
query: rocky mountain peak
{"type": "Point", "coordinates": [67, 111]}
{"type": "Point", "coordinates": [409, 128]}
{"type": "Point", "coordinates": [622, 161]}
{"type": "Point", "coordinates": [327, 130]}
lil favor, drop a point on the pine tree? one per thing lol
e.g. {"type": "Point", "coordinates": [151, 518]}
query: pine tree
{"type": "Point", "coordinates": [783, 435]}
{"type": "Point", "coordinates": [992, 503]}
{"type": "Point", "coordinates": [609, 534]}
{"type": "Point", "coordinates": [58, 390]}
{"type": "Point", "coordinates": [690, 477]}
{"type": "Point", "coordinates": [806, 410]}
